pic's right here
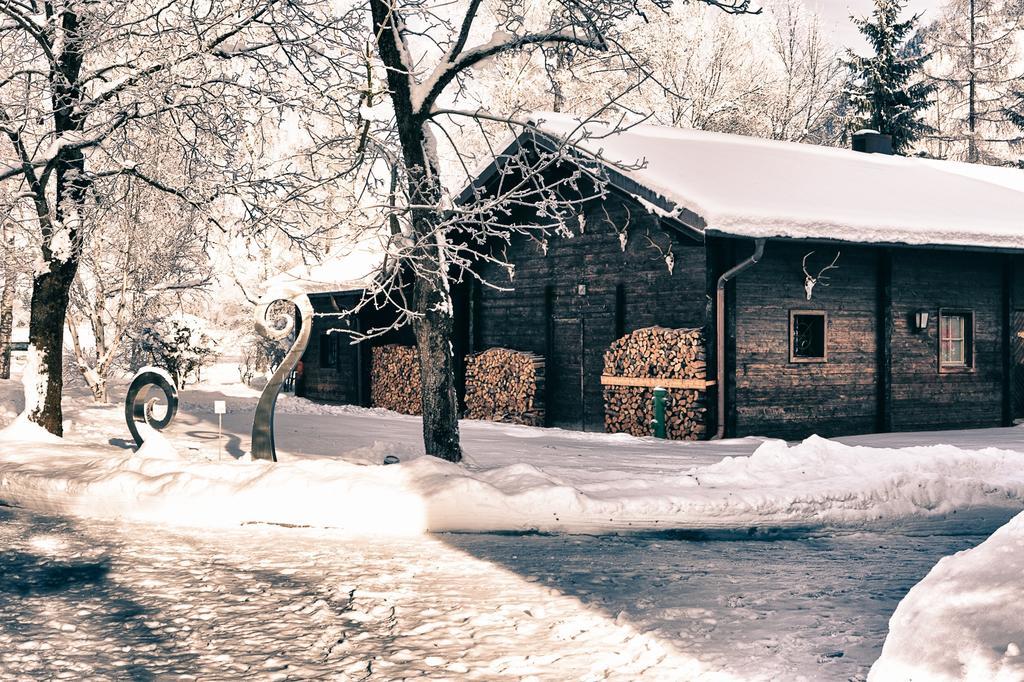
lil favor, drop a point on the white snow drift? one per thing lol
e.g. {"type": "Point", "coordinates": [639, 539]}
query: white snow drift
{"type": "Point", "coordinates": [964, 620]}
{"type": "Point", "coordinates": [816, 484]}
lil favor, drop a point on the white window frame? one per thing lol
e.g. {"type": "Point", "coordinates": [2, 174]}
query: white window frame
{"type": "Point", "coordinates": [964, 336]}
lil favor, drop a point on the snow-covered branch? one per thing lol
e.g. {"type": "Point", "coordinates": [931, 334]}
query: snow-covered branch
{"type": "Point", "coordinates": [426, 93]}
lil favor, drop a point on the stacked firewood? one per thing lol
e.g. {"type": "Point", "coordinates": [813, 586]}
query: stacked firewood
{"type": "Point", "coordinates": [506, 386]}
{"type": "Point", "coordinates": [657, 356]}
{"type": "Point", "coordinates": [395, 378]}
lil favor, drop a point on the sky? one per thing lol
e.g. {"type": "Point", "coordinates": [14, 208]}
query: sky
{"type": "Point", "coordinates": [837, 14]}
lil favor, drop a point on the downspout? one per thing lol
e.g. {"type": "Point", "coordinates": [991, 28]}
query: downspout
{"type": "Point", "coordinates": [720, 329]}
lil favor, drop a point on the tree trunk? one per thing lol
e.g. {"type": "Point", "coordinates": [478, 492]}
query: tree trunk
{"type": "Point", "coordinates": [95, 378]}
{"type": "Point", "coordinates": [7, 316]}
{"type": "Point", "coordinates": [432, 325]}
{"type": "Point", "coordinates": [51, 289]}
{"type": "Point", "coordinates": [51, 293]}
{"type": "Point", "coordinates": [98, 386]}
{"type": "Point", "coordinates": [46, 338]}
{"type": "Point", "coordinates": [972, 90]}
{"type": "Point", "coordinates": [434, 329]}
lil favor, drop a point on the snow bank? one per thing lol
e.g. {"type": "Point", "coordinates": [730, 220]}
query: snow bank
{"type": "Point", "coordinates": [827, 483]}
{"type": "Point", "coordinates": [817, 484]}
{"type": "Point", "coordinates": [964, 620]}
{"type": "Point", "coordinates": [23, 430]}
{"type": "Point", "coordinates": [160, 485]}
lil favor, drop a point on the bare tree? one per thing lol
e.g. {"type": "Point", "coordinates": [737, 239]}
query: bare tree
{"type": "Point", "coordinates": [977, 71]}
{"type": "Point", "coordinates": [79, 81]}
{"type": "Point", "coordinates": [7, 296]}
{"type": "Point", "coordinates": [707, 71]}
{"type": "Point", "coordinates": [415, 111]}
{"type": "Point", "coordinates": [132, 269]}
{"type": "Point", "coordinates": [775, 75]}
{"type": "Point", "coordinates": [803, 97]}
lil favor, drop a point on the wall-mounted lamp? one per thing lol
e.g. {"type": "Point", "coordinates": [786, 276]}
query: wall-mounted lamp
{"type": "Point", "coordinates": [920, 320]}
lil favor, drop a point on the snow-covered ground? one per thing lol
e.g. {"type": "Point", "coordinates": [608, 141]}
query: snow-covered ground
{"type": "Point", "coordinates": [121, 602]}
{"type": "Point", "coordinates": [745, 559]}
{"type": "Point", "coordinates": [516, 479]}
{"type": "Point", "coordinates": [85, 599]}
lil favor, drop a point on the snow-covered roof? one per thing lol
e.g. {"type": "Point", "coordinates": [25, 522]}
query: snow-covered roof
{"type": "Point", "coordinates": [734, 185]}
{"type": "Point", "coordinates": [349, 267]}
{"type": "Point", "coordinates": [750, 187]}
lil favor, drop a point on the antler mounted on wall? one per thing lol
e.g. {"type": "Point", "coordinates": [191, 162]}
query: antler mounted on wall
{"type": "Point", "coordinates": [811, 280]}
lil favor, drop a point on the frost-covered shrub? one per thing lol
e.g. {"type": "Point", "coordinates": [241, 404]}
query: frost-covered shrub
{"type": "Point", "coordinates": [178, 345]}
{"type": "Point", "coordinates": [124, 359]}
{"type": "Point", "coordinates": [72, 373]}
{"type": "Point", "coordinates": [260, 356]}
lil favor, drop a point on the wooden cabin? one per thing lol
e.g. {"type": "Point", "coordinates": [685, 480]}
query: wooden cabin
{"type": "Point", "coordinates": [860, 292]}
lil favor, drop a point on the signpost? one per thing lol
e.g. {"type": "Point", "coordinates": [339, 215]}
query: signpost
{"type": "Point", "coordinates": [220, 408]}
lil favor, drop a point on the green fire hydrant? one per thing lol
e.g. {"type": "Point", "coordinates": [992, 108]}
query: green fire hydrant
{"type": "Point", "coordinates": [658, 423]}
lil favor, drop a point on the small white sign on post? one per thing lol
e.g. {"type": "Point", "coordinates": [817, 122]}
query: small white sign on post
{"type": "Point", "coordinates": [220, 408]}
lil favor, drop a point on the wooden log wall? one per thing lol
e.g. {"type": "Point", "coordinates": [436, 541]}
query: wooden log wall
{"type": "Point", "coordinates": [775, 396]}
{"type": "Point", "coordinates": [571, 300]}
{"type": "Point", "coordinates": [923, 397]}
{"type": "Point", "coordinates": [666, 357]}
{"type": "Point", "coordinates": [395, 378]}
{"type": "Point", "coordinates": [506, 386]}
{"type": "Point", "coordinates": [334, 369]}
{"type": "Point", "coordinates": [874, 377]}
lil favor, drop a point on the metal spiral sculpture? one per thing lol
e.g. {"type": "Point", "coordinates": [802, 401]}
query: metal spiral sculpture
{"type": "Point", "coordinates": [137, 409]}
{"type": "Point", "coordinates": [280, 327]}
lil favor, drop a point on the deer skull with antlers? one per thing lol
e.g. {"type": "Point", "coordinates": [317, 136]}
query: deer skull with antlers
{"type": "Point", "coordinates": [811, 280]}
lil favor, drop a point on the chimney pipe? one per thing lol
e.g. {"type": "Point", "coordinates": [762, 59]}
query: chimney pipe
{"type": "Point", "coordinates": [872, 142]}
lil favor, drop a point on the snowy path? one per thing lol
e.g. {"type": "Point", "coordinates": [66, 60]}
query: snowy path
{"type": "Point", "coordinates": [306, 429]}
{"type": "Point", "coordinates": [90, 601]}
{"type": "Point", "coordinates": [813, 608]}
{"type": "Point", "coordinates": [341, 428]}
{"type": "Point", "coordinates": [87, 600]}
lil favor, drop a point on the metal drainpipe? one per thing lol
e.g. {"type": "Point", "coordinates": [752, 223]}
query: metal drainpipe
{"type": "Point", "coordinates": [720, 329]}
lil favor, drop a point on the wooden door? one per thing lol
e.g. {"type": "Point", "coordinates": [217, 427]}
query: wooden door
{"type": "Point", "coordinates": [565, 373]}
{"type": "Point", "coordinates": [1017, 364]}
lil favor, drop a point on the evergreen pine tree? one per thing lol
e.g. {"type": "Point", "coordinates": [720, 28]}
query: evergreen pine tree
{"type": "Point", "coordinates": [1015, 115]}
{"type": "Point", "coordinates": [887, 93]}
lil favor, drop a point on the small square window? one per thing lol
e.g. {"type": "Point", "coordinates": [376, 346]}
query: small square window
{"type": "Point", "coordinates": [808, 336]}
{"type": "Point", "coordinates": [956, 339]}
